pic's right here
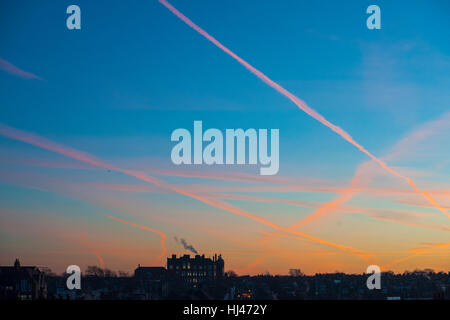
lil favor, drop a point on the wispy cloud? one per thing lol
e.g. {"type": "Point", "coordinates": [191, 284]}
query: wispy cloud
{"type": "Point", "coordinates": [44, 143]}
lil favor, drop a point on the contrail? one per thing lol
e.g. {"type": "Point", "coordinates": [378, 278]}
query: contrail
{"type": "Point", "coordinates": [401, 146]}
{"type": "Point", "coordinates": [92, 248]}
{"type": "Point", "coordinates": [300, 103]}
{"type": "Point", "coordinates": [232, 209]}
{"type": "Point", "coordinates": [46, 144]}
{"type": "Point", "coordinates": [333, 204]}
{"type": "Point", "coordinates": [12, 69]}
{"type": "Point", "coordinates": [248, 268]}
{"type": "Point", "coordinates": [327, 206]}
{"type": "Point", "coordinates": [241, 176]}
{"type": "Point", "coordinates": [336, 204]}
{"type": "Point", "coordinates": [161, 234]}
{"type": "Point", "coordinates": [417, 252]}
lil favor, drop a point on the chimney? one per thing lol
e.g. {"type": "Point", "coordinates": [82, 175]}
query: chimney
{"type": "Point", "coordinates": [17, 263]}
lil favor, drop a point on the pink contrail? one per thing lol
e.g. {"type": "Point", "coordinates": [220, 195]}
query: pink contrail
{"type": "Point", "coordinates": [12, 69]}
{"type": "Point", "coordinates": [43, 143]}
{"type": "Point", "coordinates": [417, 252]}
{"type": "Point", "coordinates": [47, 144]}
{"type": "Point", "coordinates": [248, 268]}
{"type": "Point", "coordinates": [332, 205]}
{"type": "Point", "coordinates": [161, 234]}
{"type": "Point", "coordinates": [300, 103]}
{"type": "Point", "coordinates": [399, 148]}
{"type": "Point", "coordinates": [92, 248]}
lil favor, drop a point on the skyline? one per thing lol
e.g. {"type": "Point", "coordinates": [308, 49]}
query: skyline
{"type": "Point", "coordinates": [85, 169]}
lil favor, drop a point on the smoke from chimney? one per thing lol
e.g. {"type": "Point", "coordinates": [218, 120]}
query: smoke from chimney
{"type": "Point", "coordinates": [186, 245]}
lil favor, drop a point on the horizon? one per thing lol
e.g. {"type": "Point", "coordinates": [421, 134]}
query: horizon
{"type": "Point", "coordinates": [129, 273]}
{"type": "Point", "coordinates": [87, 116]}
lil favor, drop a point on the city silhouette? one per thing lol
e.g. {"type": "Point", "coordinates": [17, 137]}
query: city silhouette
{"type": "Point", "coordinates": [203, 278]}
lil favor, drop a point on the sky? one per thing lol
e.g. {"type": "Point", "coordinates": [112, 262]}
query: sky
{"type": "Point", "coordinates": [86, 117]}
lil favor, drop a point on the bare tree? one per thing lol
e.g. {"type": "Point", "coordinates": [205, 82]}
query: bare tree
{"type": "Point", "coordinates": [95, 271]}
{"type": "Point", "coordinates": [231, 274]}
{"type": "Point", "coordinates": [296, 273]}
{"type": "Point", "coordinates": [123, 274]}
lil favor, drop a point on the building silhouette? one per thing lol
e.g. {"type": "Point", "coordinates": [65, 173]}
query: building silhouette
{"type": "Point", "coordinates": [202, 278]}
{"type": "Point", "coordinates": [195, 270]}
{"type": "Point", "coordinates": [22, 283]}
{"type": "Point", "coordinates": [151, 282]}
{"type": "Point", "coordinates": [181, 274]}
{"type": "Point", "coordinates": [150, 273]}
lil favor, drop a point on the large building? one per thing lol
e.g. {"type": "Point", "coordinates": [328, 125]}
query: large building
{"type": "Point", "coordinates": [197, 269]}
{"type": "Point", "coordinates": [150, 273]}
{"type": "Point", "coordinates": [22, 283]}
{"type": "Point", "coordinates": [152, 282]}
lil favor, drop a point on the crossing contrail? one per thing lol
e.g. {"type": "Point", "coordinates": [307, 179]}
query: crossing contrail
{"type": "Point", "coordinates": [299, 103]}
{"type": "Point", "coordinates": [358, 183]}
{"type": "Point", "coordinates": [333, 204]}
{"type": "Point", "coordinates": [418, 252]}
{"type": "Point", "coordinates": [46, 144]}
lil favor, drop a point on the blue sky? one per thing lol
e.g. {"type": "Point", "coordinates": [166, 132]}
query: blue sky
{"type": "Point", "coordinates": [133, 65]}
